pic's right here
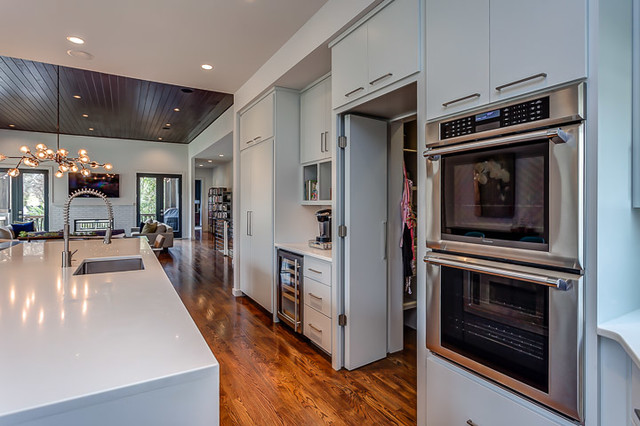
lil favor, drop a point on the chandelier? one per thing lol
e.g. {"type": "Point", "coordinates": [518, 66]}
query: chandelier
{"type": "Point", "coordinates": [42, 153]}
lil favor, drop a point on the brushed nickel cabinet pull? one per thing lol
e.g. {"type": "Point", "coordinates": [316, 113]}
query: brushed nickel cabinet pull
{"type": "Point", "coordinates": [321, 142]}
{"type": "Point", "coordinates": [354, 91]}
{"type": "Point", "coordinates": [316, 271]}
{"type": "Point", "coordinates": [314, 296]}
{"type": "Point", "coordinates": [522, 80]}
{"type": "Point", "coordinates": [315, 328]}
{"type": "Point", "coordinates": [474, 95]}
{"type": "Point", "coordinates": [257, 138]}
{"type": "Point", "coordinates": [372, 82]}
{"type": "Point", "coordinates": [326, 141]}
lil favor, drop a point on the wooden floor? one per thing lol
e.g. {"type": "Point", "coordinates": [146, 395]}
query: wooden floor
{"type": "Point", "coordinates": [271, 376]}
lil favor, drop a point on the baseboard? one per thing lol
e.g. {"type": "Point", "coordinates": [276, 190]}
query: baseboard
{"type": "Point", "coordinates": [237, 292]}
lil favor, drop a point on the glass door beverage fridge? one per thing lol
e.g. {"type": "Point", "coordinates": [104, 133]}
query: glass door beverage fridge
{"type": "Point", "coordinates": [290, 289]}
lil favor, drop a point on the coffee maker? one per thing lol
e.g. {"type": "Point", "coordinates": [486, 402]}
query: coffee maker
{"type": "Point", "coordinates": [323, 241]}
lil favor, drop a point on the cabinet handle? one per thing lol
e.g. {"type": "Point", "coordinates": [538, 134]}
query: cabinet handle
{"type": "Point", "coordinates": [522, 80]}
{"type": "Point", "coordinates": [326, 141]}
{"type": "Point", "coordinates": [354, 91]}
{"type": "Point", "coordinates": [314, 296]}
{"type": "Point", "coordinates": [372, 82]}
{"type": "Point", "coordinates": [315, 328]}
{"type": "Point", "coordinates": [249, 141]}
{"type": "Point", "coordinates": [249, 231]}
{"type": "Point", "coordinates": [257, 138]}
{"type": "Point", "coordinates": [455, 101]}
{"type": "Point", "coordinates": [316, 271]}
{"type": "Point", "coordinates": [471, 423]}
{"type": "Point", "coordinates": [321, 142]}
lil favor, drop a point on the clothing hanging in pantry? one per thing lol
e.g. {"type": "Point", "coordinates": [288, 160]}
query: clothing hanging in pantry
{"type": "Point", "coordinates": [408, 231]}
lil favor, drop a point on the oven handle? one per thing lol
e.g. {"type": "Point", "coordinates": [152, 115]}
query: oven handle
{"type": "Point", "coordinates": [557, 283]}
{"type": "Point", "coordinates": [554, 135]}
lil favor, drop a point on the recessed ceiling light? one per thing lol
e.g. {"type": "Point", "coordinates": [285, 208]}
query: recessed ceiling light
{"type": "Point", "coordinates": [80, 54]}
{"type": "Point", "coordinates": [176, 109]}
{"type": "Point", "coordinates": [209, 161]}
{"type": "Point", "coordinates": [206, 67]}
{"type": "Point", "coordinates": [220, 155]}
{"type": "Point", "coordinates": [91, 129]}
{"type": "Point", "coordinates": [159, 139]}
{"type": "Point", "coordinates": [168, 124]}
{"type": "Point", "coordinates": [75, 40]}
{"type": "Point", "coordinates": [200, 165]}
{"type": "Point", "coordinates": [85, 115]}
{"type": "Point", "coordinates": [77, 96]}
{"type": "Point", "coordinates": [12, 125]}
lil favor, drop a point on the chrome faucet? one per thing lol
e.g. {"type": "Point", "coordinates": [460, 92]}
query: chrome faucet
{"type": "Point", "coordinates": [66, 254]}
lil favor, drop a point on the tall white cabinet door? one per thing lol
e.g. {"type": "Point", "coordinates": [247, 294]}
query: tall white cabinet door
{"type": "Point", "coordinates": [244, 222]}
{"type": "Point", "coordinates": [262, 251]}
{"type": "Point", "coordinates": [328, 115]}
{"type": "Point", "coordinates": [457, 55]}
{"type": "Point", "coordinates": [393, 38]}
{"type": "Point", "coordinates": [365, 213]}
{"type": "Point", "coordinates": [312, 123]}
{"type": "Point", "coordinates": [532, 38]}
{"type": "Point", "coordinates": [349, 67]}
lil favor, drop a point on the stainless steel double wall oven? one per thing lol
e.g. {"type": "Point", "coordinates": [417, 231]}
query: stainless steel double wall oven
{"type": "Point", "coordinates": [504, 233]}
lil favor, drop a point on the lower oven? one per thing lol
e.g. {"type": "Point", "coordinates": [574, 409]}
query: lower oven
{"type": "Point", "coordinates": [520, 327]}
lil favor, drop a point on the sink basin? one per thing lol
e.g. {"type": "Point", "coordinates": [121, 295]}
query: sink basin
{"type": "Point", "coordinates": [112, 264]}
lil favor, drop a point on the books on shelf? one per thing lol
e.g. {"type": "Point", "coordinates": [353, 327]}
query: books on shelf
{"type": "Point", "coordinates": [311, 190]}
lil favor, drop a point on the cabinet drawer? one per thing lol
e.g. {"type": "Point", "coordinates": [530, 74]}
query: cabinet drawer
{"type": "Point", "coordinates": [317, 296]}
{"type": "Point", "coordinates": [317, 327]}
{"type": "Point", "coordinates": [455, 399]}
{"type": "Point", "coordinates": [635, 393]}
{"type": "Point", "coordinates": [318, 270]}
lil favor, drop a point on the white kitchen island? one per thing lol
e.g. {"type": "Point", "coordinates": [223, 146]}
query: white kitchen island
{"type": "Point", "coordinates": [100, 349]}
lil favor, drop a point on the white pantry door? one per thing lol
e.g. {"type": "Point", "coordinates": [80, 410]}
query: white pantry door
{"type": "Point", "coordinates": [365, 263]}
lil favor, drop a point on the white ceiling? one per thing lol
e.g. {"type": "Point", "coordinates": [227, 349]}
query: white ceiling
{"type": "Point", "coordinates": [156, 40]}
{"type": "Point", "coordinates": [224, 146]}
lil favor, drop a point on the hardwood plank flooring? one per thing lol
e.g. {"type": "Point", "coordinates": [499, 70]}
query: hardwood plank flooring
{"type": "Point", "coordinates": [272, 376]}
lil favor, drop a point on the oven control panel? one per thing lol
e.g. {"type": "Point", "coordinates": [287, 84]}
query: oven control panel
{"type": "Point", "coordinates": [525, 112]}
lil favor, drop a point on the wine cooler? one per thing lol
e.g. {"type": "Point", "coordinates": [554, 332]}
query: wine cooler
{"type": "Point", "coordinates": [290, 289]}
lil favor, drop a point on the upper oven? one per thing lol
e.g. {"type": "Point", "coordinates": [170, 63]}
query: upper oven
{"type": "Point", "coordinates": [506, 181]}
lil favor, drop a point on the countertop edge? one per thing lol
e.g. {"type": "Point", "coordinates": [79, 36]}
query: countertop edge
{"type": "Point", "coordinates": [626, 331]}
{"type": "Point", "coordinates": [62, 406]}
{"type": "Point", "coordinates": [306, 251]}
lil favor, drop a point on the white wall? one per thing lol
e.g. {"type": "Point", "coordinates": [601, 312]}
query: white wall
{"type": "Point", "coordinates": [222, 175]}
{"type": "Point", "coordinates": [128, 158]}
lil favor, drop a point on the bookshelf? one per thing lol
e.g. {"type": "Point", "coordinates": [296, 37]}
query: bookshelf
{"type": "Point", "coordinates": [219, 204]}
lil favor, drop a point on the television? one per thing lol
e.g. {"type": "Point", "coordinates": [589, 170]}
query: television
{"type": "Point", "coordinates": [107, 183]}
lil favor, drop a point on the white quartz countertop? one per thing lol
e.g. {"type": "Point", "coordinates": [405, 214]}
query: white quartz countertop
{"type": "Point", "coordinates": [304, 249]}
{"type": "Point", "coordinates": [626, 331]}
{"type": "Point", "coordinates": [67, 340]}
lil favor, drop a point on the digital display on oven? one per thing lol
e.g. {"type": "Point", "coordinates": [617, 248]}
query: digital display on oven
{"type": "Point", "coordinates": [488, 115]}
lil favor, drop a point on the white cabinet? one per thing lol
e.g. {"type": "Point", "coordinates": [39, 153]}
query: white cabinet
{"type": "Point", "coordinates": [379, 52]}
{"type": "Point", "coordinates": [256, 239]}
{"type": "Point", "coordinates": [488, 50]}
{"type": "Point", "coordinates": [457, 55]}
{"type": "Point", "coordinates": [315, 122]}
{"type": "Point", "coordinates": [454, 399]}
{"type": "Point", "coordinates": [256, 123]}
{"type": "Point", "coordinates": [317, 302]}
{"type": "Point", "coordinates": [635, 394]}
{"type": "Point", "coordinates": [521, 49]}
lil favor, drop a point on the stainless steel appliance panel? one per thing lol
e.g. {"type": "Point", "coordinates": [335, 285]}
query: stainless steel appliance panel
{"type": "Point", "coordinates": [563, 391]}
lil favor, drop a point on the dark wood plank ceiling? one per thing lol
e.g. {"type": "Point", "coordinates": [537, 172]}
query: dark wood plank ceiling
{"type": "Point", "coordinates": [117, 107]}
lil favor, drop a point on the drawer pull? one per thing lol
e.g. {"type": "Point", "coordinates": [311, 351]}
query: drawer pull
{"type": "Point", "coordinates": [471, 423]}
{"type": "Point", "coordinates": [353, 91]}
{"type": "Point", "coordinates": [314, 296]}
{"type": "Point", "coordinates": [315, 328]}
{"type": "Point", "coordinates": [316, 271]}
{"type": "Point", "coordinates": [464, 98]}
{"type": "Point", "coordinates": [257, 138]}
{"type": "Point", "coordinates": [380, 78]}
{"type": "Point", "coordinates": [542, 75]}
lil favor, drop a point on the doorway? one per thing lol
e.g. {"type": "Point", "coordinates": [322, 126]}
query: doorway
{"type": "Point", "coordinates": [158, 197]}
{"type": "Point", "coordinates": [25, 198]}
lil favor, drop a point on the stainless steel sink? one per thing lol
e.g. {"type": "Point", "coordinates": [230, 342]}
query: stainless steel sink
{"type": "Point", "coordinates": [112, 264]}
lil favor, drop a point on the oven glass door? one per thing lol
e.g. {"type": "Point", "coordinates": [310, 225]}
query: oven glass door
{"type": "Point", "coordinates": [498, 194]}
{"type": "Point", "coordinates": [499, 322]}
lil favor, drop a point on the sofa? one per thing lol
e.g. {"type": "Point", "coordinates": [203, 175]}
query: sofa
{"type": "Point", "coordinates": [161, 229]}
{"type": "Point", "coordinates": [8, 233]}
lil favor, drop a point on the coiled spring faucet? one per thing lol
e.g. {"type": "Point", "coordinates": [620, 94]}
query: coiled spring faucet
{"type": "Point", "coordinates": [66, 254]}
